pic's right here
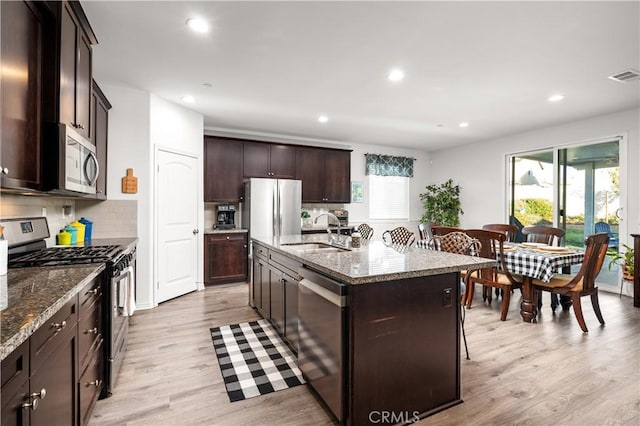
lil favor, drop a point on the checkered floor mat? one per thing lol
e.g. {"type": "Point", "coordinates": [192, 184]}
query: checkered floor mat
{"type": "Point", "coordinates": [254, 360]}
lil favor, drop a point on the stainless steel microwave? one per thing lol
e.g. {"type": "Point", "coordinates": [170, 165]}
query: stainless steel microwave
{"type": "Point", "coordinates": [78, 165]}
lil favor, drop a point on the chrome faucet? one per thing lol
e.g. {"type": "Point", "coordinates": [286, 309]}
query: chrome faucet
{"type": "Point", "coordinates": [338, 237]}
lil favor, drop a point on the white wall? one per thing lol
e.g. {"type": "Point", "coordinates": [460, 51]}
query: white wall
{"type": "Point", "coordinates": [138, 122]}
{"type": "Point", "coordinates": [180, 130]}
{"type": "Point", "coordinates": [479, 168]}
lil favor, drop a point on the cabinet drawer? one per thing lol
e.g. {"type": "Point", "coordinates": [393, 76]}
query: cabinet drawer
{"type": "Point", "coordinates": [90, 385]}
{"type": "Point", "coordinates": [285, 263]}
{"type": "Point", "coordinates": [15, 367]}
{"type": "Point", "coordinates": [260, 251]}
{"type": "Point", "coordinates": [91, 294]}
{"type": "Point", "coordinates": [89, 332]}
{"type": "Point", "coordinates": [45, 339]}
{"type": "Point", "coordinates": [235, 237]}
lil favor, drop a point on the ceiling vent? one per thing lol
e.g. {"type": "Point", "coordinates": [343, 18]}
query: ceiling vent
{"type": "Point", "coordinates": [624, 76]}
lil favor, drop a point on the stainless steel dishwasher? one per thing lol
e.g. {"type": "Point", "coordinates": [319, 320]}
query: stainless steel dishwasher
{"type": "Point", "coordinates": [322, 304]}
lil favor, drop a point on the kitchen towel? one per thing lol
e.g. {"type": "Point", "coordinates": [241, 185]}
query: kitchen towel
{"type": "Point", "coordinates": [254, 360]}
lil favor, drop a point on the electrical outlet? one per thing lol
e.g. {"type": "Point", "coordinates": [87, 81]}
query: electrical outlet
{"type": "Point", "coordinates": [44, 211]}
{"type": "Point", "coordinates": [447, 297]}
{"type": "Point", "coordinates": [66, 211]}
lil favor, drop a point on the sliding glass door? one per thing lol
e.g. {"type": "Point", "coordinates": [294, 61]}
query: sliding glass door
{"type": "Point", "coordinates": [575, 188]}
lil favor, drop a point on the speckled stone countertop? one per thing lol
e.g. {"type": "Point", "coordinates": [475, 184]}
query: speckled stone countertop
{"type": "Point", "coordinates": [373, 262]}
{"type": "Point", "coordinates": [33, 295]}
{"type": "Point", "coordinates": [224, 231]}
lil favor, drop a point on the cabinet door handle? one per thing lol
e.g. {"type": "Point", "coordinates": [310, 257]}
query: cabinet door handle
{"type": "Point", "coordinates": [33, 405]}
{"type": "Point", "coordinates": [195, 231]}
{"type": "Point", "coordinates": [228, 238]}
{"type": "Point", "coordinates": [91, 330]}
{"type": "Point", "coordinates": [41, 394]}
{"type": "Point", "coordinates": [92, 291]}
{"type": "Point", "coordinates": [5, 171]}
{"type": "Point", "coordinates": [95, 383]}
{"type": "Point", "coordinates": [59, 326]}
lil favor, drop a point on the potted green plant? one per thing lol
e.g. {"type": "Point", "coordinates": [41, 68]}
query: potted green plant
{"type": "Point", "coordinates": [625, 260]}
{"type": "Point", "coordinates": [306, 219]}
{"type": "Point", "coordinates": [442, 204]}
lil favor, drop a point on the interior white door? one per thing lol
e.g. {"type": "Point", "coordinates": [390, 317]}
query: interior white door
{"type": "Point", "coordinates": [177, 225]}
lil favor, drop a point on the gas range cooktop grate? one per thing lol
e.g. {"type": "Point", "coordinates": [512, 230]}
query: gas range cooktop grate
{"type": "Point", "coordinates": [67, 256]}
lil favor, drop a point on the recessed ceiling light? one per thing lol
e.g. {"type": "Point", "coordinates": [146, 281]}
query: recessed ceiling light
{"type": "Point", "coordinates": [323, 119]}
{"type": "Point", "coordinates": [396, 75]}
{"type": "Point", "coordinates": [556, 98]}
{"type": "Point", "coordinates": [198, 25]}
{"type": "Point", "coordinates": [463, 124]}
{"type": "Point", "coordinates": [188, 99]}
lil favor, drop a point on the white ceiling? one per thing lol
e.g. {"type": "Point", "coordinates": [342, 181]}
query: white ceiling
{"type": "Point", "coordinates": [275, 66]}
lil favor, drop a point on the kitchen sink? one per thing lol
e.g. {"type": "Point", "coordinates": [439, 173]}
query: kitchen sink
{"type": "Point", "coordinates": [314, 247]}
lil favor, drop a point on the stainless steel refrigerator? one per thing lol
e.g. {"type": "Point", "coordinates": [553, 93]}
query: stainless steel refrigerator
{"type": "Point", "coordinates": [272, 207]}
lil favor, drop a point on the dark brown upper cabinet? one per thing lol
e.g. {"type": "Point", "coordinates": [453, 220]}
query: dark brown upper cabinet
{"type": "Point", "coordinates": [268, 160]}
{"type": "Point", "coordinates": [325, 174]}
{"type": "Point", "coordinates": [21, 100]}
{"type": "Point", "coordinates": [222, 169]}
{"type": "Point", "coordinates": [100, 107]}
{"type": "Point", "coordinates": [76, 38]}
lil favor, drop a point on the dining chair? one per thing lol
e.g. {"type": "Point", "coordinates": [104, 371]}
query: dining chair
{"type": "Point", "coordinates": [459, 243]}
{"type": "Point", "coordinates": [491, 246]}
{"type": "Point", "coordinates": [398, 236]}
{"type": "Point", "coordinates": [365, 231]}
{"type": "Point", "coordinates": [601, 227]}
{"type": "Point", "coordinates": [422, 231]}
{"type": "Point", "coordinates": [511, 231]}
{"type": "Point", "coordinates": [581, 284]}
{"type": "Point", "coordinates": [442, 230]}
{"type": "Point", "coordinates": [543, 234]}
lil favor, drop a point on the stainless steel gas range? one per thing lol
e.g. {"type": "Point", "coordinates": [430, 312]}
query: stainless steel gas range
{"type": "Point", "coordinates": [27, 247]}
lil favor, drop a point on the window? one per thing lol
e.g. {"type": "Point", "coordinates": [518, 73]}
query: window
{"type": "Point", "coordinates": [388, 197]}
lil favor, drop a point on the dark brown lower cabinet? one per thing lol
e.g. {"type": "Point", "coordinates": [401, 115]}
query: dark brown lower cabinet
{"type": "Point", "coordinates": [410, 325]}
{"type": "Point", "coordinates": [291, 310]}
{"type": "Point", "coordinates": [277, 298]}
{"type": "Point", "coordinates": [55, 377]}
{"type": "Point", "coordinates": [226, 257]}
{"type": "Point", "coordinates": [15, 387]}
{"type": "Point", "coordinates": [90, 385]}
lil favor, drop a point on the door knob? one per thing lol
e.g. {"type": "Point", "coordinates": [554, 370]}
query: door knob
{"type": "Point", "coordinates": [195, 231]}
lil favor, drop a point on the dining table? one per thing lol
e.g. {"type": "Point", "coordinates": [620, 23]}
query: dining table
{"type": "Point", "coordinates": [537, 261]}
{"type": "Point", "coordinates": [533, 261]}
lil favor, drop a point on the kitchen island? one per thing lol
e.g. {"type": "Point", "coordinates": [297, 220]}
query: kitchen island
{"type": "Point", "coordinates": [378, 327]}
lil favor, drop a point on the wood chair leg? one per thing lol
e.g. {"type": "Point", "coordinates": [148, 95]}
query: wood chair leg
{"type": "Point", "coordinates": [470, 289]}
{"type": "Point", "coordinates": [506, 297]}
{"type": "Point", "coordinates": [554, 302]}
{"type": "Point", "coordinates": [577, 309]}
{"type": "Point", "coordinates": [596, 307]}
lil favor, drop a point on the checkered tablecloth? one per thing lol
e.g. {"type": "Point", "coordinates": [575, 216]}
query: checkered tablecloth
{"type": "Point", "coordinates": [539, 265]}
{"type": "Point", "coordinates": [533, 263]}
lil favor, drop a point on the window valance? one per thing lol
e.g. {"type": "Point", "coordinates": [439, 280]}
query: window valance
{"type": "Point", "coordinates": [388, 165]}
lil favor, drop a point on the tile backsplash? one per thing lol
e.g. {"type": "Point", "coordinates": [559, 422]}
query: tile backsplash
{"type": "Point", "coordinates": [111, 218]}
{"type": "Point", "coordinates": [58, 211]}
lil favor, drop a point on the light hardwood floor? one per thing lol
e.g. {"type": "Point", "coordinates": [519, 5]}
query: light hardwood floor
{"type": "Point", "coordinates": [548, 373]}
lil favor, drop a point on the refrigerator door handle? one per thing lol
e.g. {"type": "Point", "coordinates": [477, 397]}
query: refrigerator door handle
{"type": "Point", "coordinates": [276, 208]}
{"type": "Point", "coordinates": [279, 209]}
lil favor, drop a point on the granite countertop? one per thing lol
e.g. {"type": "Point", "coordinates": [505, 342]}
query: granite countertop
{"type": "Point", "coordinates": [373, 262]}
{"type": "Point", "coordinates": [30, 296]}
{"type": "Point", "coordinates": [124, 242]}
{"type": "Point", "coordinates": [224, 231]}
